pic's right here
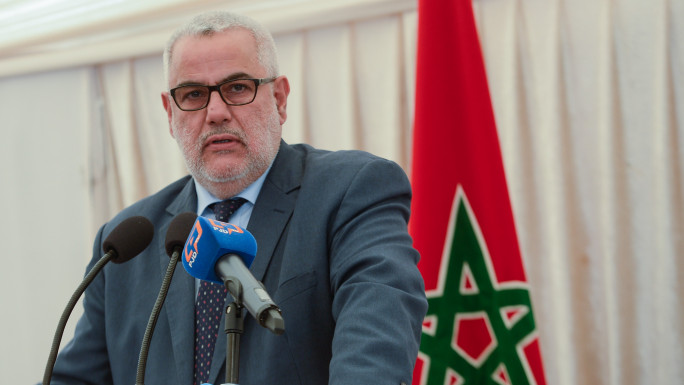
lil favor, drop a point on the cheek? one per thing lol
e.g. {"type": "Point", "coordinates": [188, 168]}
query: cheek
{"type": "Point", "coordinates": [183, 127]}
{"type": "Point", "coordinates": [269, 119]}
{"type": "Point", "coordinates": [185, 139]}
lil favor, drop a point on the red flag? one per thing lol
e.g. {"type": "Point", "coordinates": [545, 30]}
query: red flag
{"type": "Point", "coordinates": [480, 326]}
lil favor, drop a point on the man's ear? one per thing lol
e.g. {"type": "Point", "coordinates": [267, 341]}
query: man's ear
{"type": "Point", "coordinates": [281, 90]}
{"type": "Point", "coordinates": [166, 101]}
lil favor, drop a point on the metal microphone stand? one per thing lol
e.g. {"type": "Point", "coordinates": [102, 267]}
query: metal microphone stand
{"type": "Point", "coordinates": [269, 316]}
{"type": "Point", "coordinates": [235, 326]}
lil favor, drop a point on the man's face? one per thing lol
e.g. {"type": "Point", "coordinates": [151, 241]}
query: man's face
{"type": "Point", "coordinates": [222, 143]}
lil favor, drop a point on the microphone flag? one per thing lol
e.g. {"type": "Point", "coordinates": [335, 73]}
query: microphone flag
{"type": "Point", "coordinates": [214, 239]}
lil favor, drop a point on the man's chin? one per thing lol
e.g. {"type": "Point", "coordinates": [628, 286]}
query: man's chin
{"type": "Point", "coordinates": [221, 177]}
{"type": "Point", "coordinates": [228, 172]}
{"type": "Point", "coordinates": [217, 173]}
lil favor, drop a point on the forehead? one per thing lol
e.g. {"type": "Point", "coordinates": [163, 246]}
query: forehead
{"type": "Point", "coordinates": [214, 57]}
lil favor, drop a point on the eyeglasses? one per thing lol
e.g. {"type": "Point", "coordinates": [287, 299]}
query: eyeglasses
{"type": "Point", "coordinates": [236, 92]}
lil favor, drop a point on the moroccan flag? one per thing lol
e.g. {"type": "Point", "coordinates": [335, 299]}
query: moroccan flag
{"type": "Point", "coordinates": [479, 328]}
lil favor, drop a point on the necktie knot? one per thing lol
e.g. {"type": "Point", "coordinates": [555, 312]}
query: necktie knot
{"type": "Point", "coordinates": [224, 209]}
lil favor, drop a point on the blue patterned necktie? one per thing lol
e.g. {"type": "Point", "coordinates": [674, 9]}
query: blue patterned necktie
{"type": "Point", "coordinates": [211, 299]}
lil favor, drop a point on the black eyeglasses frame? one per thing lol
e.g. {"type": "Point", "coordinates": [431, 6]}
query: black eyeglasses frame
{"type": "Point", "coordinates": [217, 88]}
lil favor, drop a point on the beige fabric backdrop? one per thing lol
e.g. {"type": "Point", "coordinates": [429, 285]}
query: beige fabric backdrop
{"type": "Point", "coordinates": [589, 102]}
{"type": "Point", "coordinates": [589, 99]}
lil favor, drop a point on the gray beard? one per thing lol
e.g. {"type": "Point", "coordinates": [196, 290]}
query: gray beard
{"type": "Point", "coordinates": [258, 159]}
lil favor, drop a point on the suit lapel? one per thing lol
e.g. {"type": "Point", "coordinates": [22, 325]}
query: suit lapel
{"type": "Point", "coordinates": [274, 207]}
{"type": "Point", "coordinates": [180, 300]}
{"type": "Point", "coordinates": [269, 217]}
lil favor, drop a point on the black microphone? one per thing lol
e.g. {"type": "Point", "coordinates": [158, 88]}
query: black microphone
{"type": "Point", "coordinates": [126, 241]}
{"type": "Point", "coordinates": [178, 231]}
{"type": "Point", "coordinates": [222, 253]}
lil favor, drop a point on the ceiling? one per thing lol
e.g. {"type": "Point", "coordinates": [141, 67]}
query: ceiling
{"type": "Point", "coordinates": [38, 35]}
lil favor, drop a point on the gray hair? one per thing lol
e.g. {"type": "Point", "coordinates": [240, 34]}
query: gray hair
{"type": "Point", "coordinates": [209, 23]}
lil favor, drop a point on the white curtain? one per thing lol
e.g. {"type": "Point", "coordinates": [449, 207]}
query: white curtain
{"type": "Point", "coordinates": [45, 203]}
{"type": "Point", "coordinates": [589, 103]}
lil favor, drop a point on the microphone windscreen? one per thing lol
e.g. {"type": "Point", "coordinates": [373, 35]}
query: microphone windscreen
{"type": "Point", "coordinates": [129, 238]}
{"type": "Point", "coordinates": [178, 231]}
{"type": "Point", "coordinates": [210, 240]}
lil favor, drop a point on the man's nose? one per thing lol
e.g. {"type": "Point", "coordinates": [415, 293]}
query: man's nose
{"type": "Point", "coordinates": [217, 110]}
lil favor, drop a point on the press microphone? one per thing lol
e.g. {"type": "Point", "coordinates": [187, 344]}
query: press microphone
{"type": "Point", "coordinates": [222, 252]}
{"type": "Point", "coordinates": [178, 231]}
{"type": "Point", "coordinates": [127, 240]}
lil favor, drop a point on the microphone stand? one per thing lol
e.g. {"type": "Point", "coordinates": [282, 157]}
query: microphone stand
{"type": "Point", "coordinates": [235, 327]}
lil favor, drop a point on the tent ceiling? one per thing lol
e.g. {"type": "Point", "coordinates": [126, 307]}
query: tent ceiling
{"type": "Point", "coordinates": [39, 35]}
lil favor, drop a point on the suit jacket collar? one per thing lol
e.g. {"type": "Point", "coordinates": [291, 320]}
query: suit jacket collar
{"type": "Point", "coordinates": [274, 207]}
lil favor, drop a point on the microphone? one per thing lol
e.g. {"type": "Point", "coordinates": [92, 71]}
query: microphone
{"type": "Point", "coordinates": [126, 241]}
{"type": "Point", "coordinates": [221, 252]}
{"type": "Point", "coordinates": [178, 231]}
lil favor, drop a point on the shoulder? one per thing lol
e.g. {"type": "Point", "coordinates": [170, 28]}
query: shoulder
{"type": "Point", "coordinates": [303, 167]}
{"type": "Point", "coordinates": [155, 206]}
{"type": "Point", "coordinates": [331, 178]}
{"type": "Point", "coordinates": [344, 164]}
{"type": "Point", "coordinates": [318, 156]}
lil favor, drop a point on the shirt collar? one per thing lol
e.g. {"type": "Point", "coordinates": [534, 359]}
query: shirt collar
{"type": "Point", "coordinates": [250, 193]}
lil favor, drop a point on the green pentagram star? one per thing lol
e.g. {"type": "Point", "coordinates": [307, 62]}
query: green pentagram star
{"type": "Point", "coordinates": [484, 304]}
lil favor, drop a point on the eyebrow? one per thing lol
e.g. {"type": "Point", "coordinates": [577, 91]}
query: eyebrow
{"type": "Point", "coordinates": [235, 76]}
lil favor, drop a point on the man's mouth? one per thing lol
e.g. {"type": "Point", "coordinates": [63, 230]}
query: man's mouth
{"type": "Point", "coordinates": [221, 139]}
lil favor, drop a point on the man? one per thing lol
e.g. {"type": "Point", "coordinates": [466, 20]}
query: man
{"type": "Point", "coordinates": [331, 228]}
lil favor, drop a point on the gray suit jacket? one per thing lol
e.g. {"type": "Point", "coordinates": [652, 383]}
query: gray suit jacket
{"type": "Point", "coordinates": [333, 252]}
